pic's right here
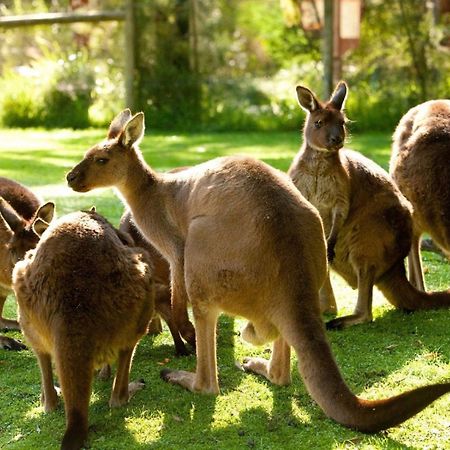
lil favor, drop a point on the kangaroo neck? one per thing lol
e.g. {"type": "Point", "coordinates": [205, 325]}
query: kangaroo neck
{"type": "Point", "coordinates": [314, 153]}
{"type": "Point", "coordinates": [151, 199]}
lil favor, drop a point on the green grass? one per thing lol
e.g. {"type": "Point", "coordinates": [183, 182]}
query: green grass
{"type": "Point", "coordinates": [394, 353]}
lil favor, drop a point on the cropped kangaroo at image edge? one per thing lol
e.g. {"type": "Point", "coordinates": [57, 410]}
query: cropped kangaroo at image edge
{"type": "Point", "coordinates": [366, 218]}
{"type": "Point", "coordinates": [240, 239]}
{"type": "Point", "coordinates": [85, 299]}
{"type": "Point", "coordinates": [21, 212]}
{"type": "Point", "coordinates": [420, 165]}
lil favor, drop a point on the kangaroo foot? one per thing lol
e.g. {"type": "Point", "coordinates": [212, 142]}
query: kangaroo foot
{"type": "Point", "coordinates": [49, 400]}
{"type": "Point", "coordinates": [189, 381]}
{"type": "Point", "coordinates": [8, 324]}
{"type": "Point", "coordinates": [182, 350]}
{"type": "Point", "coordinates": [135, 386]}
{"type": "Point", "coordinates": [7, 343]}
{"type": "Point", "coordinates": [104, 373]}
{"type": "Point", "coordinates": [119, 399]}
{"type": "Point", "coordinates": [261, 366]}
{"type": "Point", "coordinates": [155, 326]}
{"type": "Point", "coordinates": [346, 321]}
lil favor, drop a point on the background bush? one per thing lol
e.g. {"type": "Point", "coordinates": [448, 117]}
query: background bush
{"type": "Point", "coordinates": [217, 65]}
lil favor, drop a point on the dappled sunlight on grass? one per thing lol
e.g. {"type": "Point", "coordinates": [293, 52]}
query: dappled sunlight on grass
{"type": "Point", "coordinates": [395, 352]}
{"type": "Point", "coordinates": [146, 428]}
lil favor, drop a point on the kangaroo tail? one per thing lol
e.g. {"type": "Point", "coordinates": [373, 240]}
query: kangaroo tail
{"type": "Point", "coordinates": [325, 384]}
{"type": "Point", "coordinates": [402, 294]}
{"type": "Point", "coordinates": [75, 377]}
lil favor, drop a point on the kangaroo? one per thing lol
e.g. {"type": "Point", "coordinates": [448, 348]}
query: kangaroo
{"type": "Point", "coordinates": [85, 299]}
{"type": "Point", "coordinates": [420, 165]}
{"type": "Point", "coordinates": [240, 239]}
{"type": "Point", "coordinates": [161, 275]}
{"type": "Point", "coordinates": [366, 218]}
{"type": "Point", "coordinates": [20, 209]}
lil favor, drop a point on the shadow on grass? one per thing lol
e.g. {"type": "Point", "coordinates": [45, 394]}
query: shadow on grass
{"type": "Point", "coordinates": [164, 416]}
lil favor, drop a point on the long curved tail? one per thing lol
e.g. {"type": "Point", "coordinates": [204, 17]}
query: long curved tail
{"type": "Point", "coordinates": [402, 294]}
{"type": "Point", "coordinates": [324, 382]}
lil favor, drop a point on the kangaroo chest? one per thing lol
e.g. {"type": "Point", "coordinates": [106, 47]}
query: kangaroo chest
{"type": "Point", "coordinates": [322, 184]}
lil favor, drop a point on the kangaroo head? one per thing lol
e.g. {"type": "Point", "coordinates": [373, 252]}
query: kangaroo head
{"type": "Point", "coordinates": [325, 122]}
{"type": "Point", "coordinates": [106, 164]}
{"type": "Point", "coordinates": [18, 235]}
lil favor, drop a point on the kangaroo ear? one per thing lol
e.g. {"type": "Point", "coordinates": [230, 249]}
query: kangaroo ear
{"type": "Point", "coordinates": [46, 212]}
{"type": "Point", "coordinates": [306, 99]}
{"type": "Point", "coordinates": [339, 96]}
{"type": "Point", "coordinates": [5, 229]}
{"type": "Point", "coordinates": [39, 226]}
{"type": "Point", "coordinates": [133, 130]}
{"type": "Point", "coordinates": [118, 123]}
{"type": "Point", "coordinates": [12, 219]}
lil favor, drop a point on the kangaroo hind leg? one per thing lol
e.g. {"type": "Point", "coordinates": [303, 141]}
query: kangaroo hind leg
{"type": "Point", "coordinates": [363, 309]}
{"type": "Point", "coordinates": [122, 391]}
{"type": "Point", "coordinates": [278, 369]}
{"type": "Point", "coordinates": [415, 269]}
{"type": "Point", "coordinates": [204, 380]}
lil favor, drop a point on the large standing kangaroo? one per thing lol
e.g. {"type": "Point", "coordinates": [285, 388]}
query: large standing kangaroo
{"type": "Point", "coordinates": [366, 218]}
{"type": "Point", "coordinates": [240, 239]}
{"type": "Point", "coordinates": [420, 165]}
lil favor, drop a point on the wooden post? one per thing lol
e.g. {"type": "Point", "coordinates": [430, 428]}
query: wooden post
{"type": "Point", "coordinates": [327, 48]}
{"type": "Point", "coordinates": [130, 55]}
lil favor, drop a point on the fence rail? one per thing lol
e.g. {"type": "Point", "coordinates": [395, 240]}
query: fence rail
{"type": "Point", "coordinates": [63, 17]}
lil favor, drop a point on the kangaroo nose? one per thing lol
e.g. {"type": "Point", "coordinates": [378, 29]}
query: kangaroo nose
{"type": "Point", "coordinates": [336, 140]}
{"type": "Point", "coordinates": [71, 176]}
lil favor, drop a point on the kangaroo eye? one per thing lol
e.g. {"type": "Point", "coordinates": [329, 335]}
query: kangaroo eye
{"type": "Point", "coordinates": [318, 123]}
{"type": "Point", "coordinates": [102, 161]}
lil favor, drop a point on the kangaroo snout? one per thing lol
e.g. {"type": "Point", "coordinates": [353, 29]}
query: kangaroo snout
{"type": "Point", "coordinates": [75, 180]}
{"type": "Point", "coordinates": [336, 140]}
{"type": "Point", "coordinates": [71, 176]}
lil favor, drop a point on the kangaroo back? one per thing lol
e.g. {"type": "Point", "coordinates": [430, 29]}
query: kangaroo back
{"type": "Point", "coordinates": [420, 165]}
{"type": "Point", "coordinates": [85, 299]}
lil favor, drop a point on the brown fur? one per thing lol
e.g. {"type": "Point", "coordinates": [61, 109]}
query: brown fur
{"type": "Point", "coordinates": [161, 275]}
{"type": "Point", "coordinates": [85, 299]}
{"type": "Point", "coordinates": [20, 209]}
{"type": "Point", "coordinates": [241, 239]}
{"type": "Point", "coordinates": [366, 218]}
{"type": "Point", "coordinates": [420, 165]}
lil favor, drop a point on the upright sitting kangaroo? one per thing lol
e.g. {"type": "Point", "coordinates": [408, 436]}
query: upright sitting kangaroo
{"type": "Point", "coordinates": [420, 165]}
{"type": "Point", "coordinates": [85, 299]}
{"type": "Point", "coordinates": [367, 220]}
{"type": "Point", "coordinates": [20, 211]}
{"type": "Point", "coordinates": [240, 239]}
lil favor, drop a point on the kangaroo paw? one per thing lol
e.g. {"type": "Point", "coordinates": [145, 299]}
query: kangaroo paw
{"type": "Point", "coordinates": [7, 343]}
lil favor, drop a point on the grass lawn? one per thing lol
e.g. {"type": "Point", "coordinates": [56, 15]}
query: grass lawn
{"type": "Point", "coordinates": [394, 353]}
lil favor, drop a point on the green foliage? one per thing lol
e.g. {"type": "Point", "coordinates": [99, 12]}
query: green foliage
{"type": "Point", "coordinates": [216, 65]}
{"type": "Point", "coordinates": [63, 100]}
{"type": "Point", "coordinates": [21, 104]}
{"type": "Point", "coordinates": [398, 64]}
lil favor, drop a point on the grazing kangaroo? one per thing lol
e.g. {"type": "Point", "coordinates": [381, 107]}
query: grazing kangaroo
{"type": "Point", "coordinates": [161, 276]}
{"type": "Point", "coordinates": [420, 165]}
{"type": "Point", "coordinates": [366, 218]}
{"type": "Point", "coordinates": [240, 239]}
{"type": "Point", "coordinates": [85, 299]}
{"type": "Point", "coordinates": [20, 209]}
